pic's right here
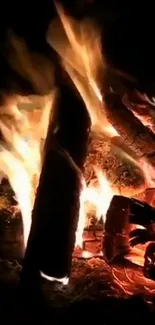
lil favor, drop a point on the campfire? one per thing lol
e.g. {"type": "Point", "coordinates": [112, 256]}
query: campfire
{"type": "Point", "coordinates": [78, 194]}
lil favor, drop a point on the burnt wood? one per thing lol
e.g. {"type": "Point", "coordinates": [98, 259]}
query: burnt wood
{"type": "Point", "coordinates": [57, 200]}
{"type": "Point", "coordinates": [56, 207]}
{"type": "Point", "coordinates": [116, 239]}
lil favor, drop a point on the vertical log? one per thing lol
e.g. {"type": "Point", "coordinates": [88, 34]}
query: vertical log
{"type": "Point", "coordinates": [57, 200]}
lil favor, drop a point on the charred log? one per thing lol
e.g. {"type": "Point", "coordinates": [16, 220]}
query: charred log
{"type": "Point", "coordinates": [57, 200]}
{"type": "Point", "coordinates": [73, 121]}
{"type": "Point", "coordinates": [135, 135]}
{"type": "Point", "coordinates": [116, 236]}
{"type": "Point", "coordinates": [56, 207]}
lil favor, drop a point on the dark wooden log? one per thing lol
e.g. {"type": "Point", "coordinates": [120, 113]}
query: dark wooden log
{"type": "Point", "coordinates": [116, 234]}
{"type": "Point", "coordinates": [56, 207]}
{"type": "Point", "coordinates": [73, 120]}
{"type": "Point", "coordinates": [57, 200]}
{"type": "Point", "coordinates": [135, 135]}
{"type": "Point", "coordinates": [149, 262]}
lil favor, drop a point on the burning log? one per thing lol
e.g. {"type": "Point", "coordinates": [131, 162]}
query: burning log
{"type": "Point", "coordinates": [142, 107]}
{"type": "Point", "coordinates": [57, 200]}
{"type": "Point", "coordinates": [149, 263]}
{"type": "Point", "coordinates": [116, 235]}
{"type": "Point", "coordinates": [117, 164]}
{"type": "Point", "coordinates": [56, 207]}
{"type": "Point", "coordinates": [73, 121]}
{"type": "Point", "coordinates": [134, 134]}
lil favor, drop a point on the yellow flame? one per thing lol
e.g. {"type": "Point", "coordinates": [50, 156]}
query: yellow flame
{"type": "Point", "coordinates": [100, 197]}
{"type": "Point", "coordinates": [20, 154]}
{"type": "Point", "coordinates": [79, 47]}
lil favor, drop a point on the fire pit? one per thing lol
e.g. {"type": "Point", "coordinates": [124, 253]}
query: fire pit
{"type": "Point", "coordinates": [77, 192]}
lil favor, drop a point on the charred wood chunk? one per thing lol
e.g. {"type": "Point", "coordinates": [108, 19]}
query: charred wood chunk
{"type": "Point", "coordinates": [56, 207]}
{"type": "Point", "coordinates": [149, 263]}
{"type": "Point", "coordinates": [141, 236]}
{"type": "Point", "coordinates": [141, 213]}
{"type": "Point", "coordinates": [116, 239]}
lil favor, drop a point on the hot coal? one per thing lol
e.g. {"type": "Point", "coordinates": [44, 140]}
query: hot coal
{"type": "Point", "coordinates": [149, 264]}
{"type": "Point", "coordinates": [116, 235]}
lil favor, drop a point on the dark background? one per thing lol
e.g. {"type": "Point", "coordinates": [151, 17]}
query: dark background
{"type": "Point", "coordinates": [128, 33]}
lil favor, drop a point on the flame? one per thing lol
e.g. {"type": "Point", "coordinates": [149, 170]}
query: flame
{"type": "Point", "coordinates": [20, 153]}
{"type": "Point", "coordinates": [79, 47]}
{"type": "Point", "coordinates": [100, 197]}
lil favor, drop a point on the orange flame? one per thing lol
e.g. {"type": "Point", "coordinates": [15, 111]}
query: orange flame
{"type": "Point", "coordinates": [82, 58]}
{"type": "Point", "coordinates": [20, 157]}
{"type": "Point", "coordinates": [100, 197]}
